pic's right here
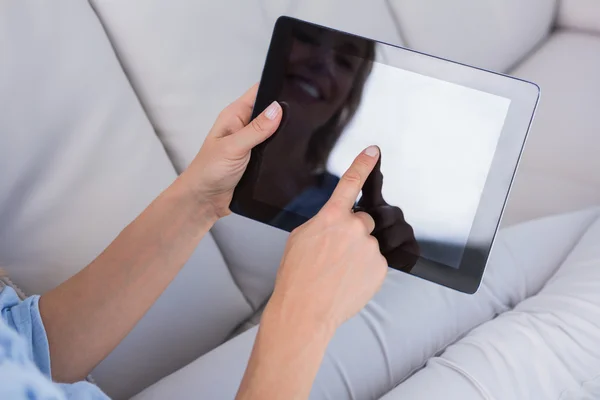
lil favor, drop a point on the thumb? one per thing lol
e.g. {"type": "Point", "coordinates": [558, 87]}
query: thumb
{"type": "Point", "coordinates": [372, 195]}
{"type": "Point", "coordinates": [259, 129]}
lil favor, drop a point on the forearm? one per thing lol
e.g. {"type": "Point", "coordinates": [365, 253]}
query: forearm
{"type": "Point", "coordinates": [286, 357]}
{"type": "Point", "coordinates": [88, 315]}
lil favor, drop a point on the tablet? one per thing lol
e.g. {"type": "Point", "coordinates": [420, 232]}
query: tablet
{"type": "Point", "coordinates": [450, 139]}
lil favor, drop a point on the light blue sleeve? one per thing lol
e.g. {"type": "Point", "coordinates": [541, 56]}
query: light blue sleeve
{"type": "Point", "coordinates": [24, 317]}
{"type": "Point", "coordinates": [25, 355]}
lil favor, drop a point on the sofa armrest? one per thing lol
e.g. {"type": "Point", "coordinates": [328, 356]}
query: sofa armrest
{"type": "Point", "coordinates": [579, 14]}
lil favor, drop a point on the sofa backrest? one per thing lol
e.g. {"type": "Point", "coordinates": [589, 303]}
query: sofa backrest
{"type": "Point", "coordinates": [491, 34]}
{"type": "Point", "coordinates": [188, 59]}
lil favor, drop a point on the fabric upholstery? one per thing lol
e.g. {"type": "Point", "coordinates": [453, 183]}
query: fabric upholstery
{"type": "Point", "coordinates": [581, 15]}
{"type": "Point", "coordinates": [407, 322]}
{"type": "Point", "coordinates": [188, 59]}
{"type": "Point", "coordinates": [78, 161]}
{"type": "Point", "coordinates": [546, 348]}
{"type": "Point", "coordinates": [489, 34]}
{"type": "Point", "coordinates": [560, 164]}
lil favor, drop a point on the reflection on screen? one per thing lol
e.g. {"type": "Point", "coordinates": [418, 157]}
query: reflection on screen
{"type": "Point", "coordinates": [437, 142]}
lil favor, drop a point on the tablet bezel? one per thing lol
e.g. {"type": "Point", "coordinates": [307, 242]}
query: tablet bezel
{"type": "Point", "coordinates": [523, 96]}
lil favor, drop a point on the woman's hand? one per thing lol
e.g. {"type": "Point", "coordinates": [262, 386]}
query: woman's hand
{"type": "Point", "coordinates": [223, 158]}
{"type": "Point", "coordinates": [395, 236]}
{"type": "Point", "coordinates": [88, 315]}
{"type": "Point", "coordinates": [331, 268]}
{"type": "Point", "coordinates": [332, 265]}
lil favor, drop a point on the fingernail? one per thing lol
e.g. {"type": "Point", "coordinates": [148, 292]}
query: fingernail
{"type": "Point", "coordinates": [273, 110]}
{"type": "Point", "coordinates": [372, 151]}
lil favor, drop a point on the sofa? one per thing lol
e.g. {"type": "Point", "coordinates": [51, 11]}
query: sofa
{"type": "Point", "coordinates": [103, 103]}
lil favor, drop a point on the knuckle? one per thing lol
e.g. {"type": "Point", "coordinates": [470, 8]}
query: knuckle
{"type": "Point", "coordinates": [352, 177]}
{"type": "Point", "coordinates": [333, 205]}
{"type": "Point", "coordinates": [398, 213]}
{"type": "Point", "coordinates": [363, 162]}
{"type": "Point", "coordinates": [226, 114]}
{"type": "Point", "coordinates": [231, 146]}
{"type": "Point", "coordinates": [357, 225]}
{"type": "Point", "coordinates": [258, 125]}
{"type": "Point", "coordinates": [330, 215]}
{"type": "Point", "coordinates": [370, 221]}
{"type": "Point", "coordinates": [373, 244]}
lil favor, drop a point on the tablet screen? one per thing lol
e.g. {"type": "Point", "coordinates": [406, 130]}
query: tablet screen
{"type": "Point", "coordinates": [437, 142]}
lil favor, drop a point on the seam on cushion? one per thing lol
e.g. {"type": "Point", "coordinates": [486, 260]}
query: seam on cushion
{"type": "Point", "coordinates": [587, 227]}
{"type": "Point", "coordinates": [595, 379]}
{"type": "Point", "coordinates": [581, 31]}
{"type": "Point", "coordinates": [555, 14]}
{"type": "Point", "coordinates": [443, 348]}
{"type": "Point", "coordinates": [552, 27]}
{"type": "Point", "coordinates": [227, 263]}
{"type": "Point", "coordinates": [559, 264]}
{"type": "Point", "coordinates": [556, 321]}
{"type": "Point", "coordinates": [111, 42]}
{"type": "Point", "coordinates": [398, 28]}
{"type": "Point", "coordinates": [470, 378]}
{"type": "Point", "coordinates": [519, 264]}
{"type": "Point", "coordinates": [532, 52]}
{"type": "Point", "coordinates": [537, 324]}
{"type": "Point", "coordinates": [486, 287]}
{"type": "Point", "coordinates": [458, 337]}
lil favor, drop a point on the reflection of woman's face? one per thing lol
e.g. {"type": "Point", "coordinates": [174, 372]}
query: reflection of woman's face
{"type": "Point", "coordinates": [320, 73]}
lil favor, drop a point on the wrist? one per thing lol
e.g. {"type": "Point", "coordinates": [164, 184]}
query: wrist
{"type": "Point", "coordinates": [297, 319]}
{"type": "Point", "coordinates": [200, 207]}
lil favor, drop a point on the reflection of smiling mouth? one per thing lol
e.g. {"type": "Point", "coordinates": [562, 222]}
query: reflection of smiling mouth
{"type": "Point", "coordinates": [307, 87]}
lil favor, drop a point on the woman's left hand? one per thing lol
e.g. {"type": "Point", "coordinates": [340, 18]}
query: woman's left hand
{"type": "Point", "coordinates": [222, 160]}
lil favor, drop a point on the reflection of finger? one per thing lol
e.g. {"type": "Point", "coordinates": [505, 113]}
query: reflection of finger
{"type": "Point", "coordinates": [400, 234]}
{"type": "Point", "coordinates": [402, 259]}
{"type": "Point", "coordinates": [372, 195]}
{"type": "Point", "coordinates": [286, 114]}
{"type": "Point", "coordinates": [366, 220]}
{"type": "Point", "coordinates": [384, 217]}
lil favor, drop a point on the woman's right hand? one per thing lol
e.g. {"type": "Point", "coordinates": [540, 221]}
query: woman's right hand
{"type": "Point", "coordinates": [332, 265]}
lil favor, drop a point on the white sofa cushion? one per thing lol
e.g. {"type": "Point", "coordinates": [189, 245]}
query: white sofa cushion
{"type": "Point", "coordinates": [407, 322]}
{"type": "Point", "coordinates": [78, 161]}
{"type": "Point", "coordinates": [546, 348]}
{"type": "Point", "coordinates": [490, 34]}
{"type": "Point", "coordinates": [253, 252]}
{"type": "Point", "coordinates": [580, 15]}
{"type": "Point", "coordinates": [188, 59]}
{"type": "Point", "coordinates": [559, 169]}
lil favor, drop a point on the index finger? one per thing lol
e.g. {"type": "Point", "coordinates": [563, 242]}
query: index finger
{"type": "Point", "coordinates": [351, 183]}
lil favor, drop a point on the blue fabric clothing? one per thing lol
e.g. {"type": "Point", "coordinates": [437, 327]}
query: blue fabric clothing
{"type": "Point", "coordinates": [25, 355]}
{"type": "Point", "coordinates": [308, 203]}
